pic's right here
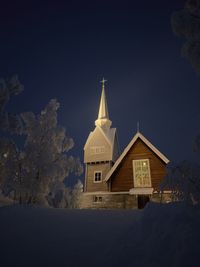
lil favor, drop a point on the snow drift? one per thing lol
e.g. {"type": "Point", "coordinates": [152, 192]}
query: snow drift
{"type": "Point", "coordinates": [160, 235]}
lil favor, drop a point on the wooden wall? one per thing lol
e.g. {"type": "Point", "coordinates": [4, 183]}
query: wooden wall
{"type": "Point", "coordinates": [90, 186]}
{"type": "Point", "coordinates": [122, 178]}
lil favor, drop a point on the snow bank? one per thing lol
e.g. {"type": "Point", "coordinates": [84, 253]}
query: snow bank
{"type": "Point", "coordinates": [165, 235]}
{"type": "Point", "coordinates": [171, 236]}
{"type": "Point", "coordinates": [160, 235]}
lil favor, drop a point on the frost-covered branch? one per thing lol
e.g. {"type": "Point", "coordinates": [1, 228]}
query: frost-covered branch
{"type": "Point", "coordinates": [46, 160]}
{"type": "Point", "coordinates": [186, 23]}
{"type": "Point", "coordinates": [32, 174]}
{"type": "Point", "coordinates": [8, 88]}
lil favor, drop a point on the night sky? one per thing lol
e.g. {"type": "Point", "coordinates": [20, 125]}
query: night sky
{"type": "Point", "coordinates": [62, 49]}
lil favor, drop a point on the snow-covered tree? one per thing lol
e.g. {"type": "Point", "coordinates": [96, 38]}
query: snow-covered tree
{"type": "Point", "coordinates": [36, 173]}
{"type": "Point", "coordinates": [10, 156]}
{"type": "Point", "coordinates": [8, 163]}
{"type": "Point", "coordinates": [59, 196]}
{"type": "Point", "coordinates": [184, 177]}
{"type": "Point", "coordinates": [45, 161]}
{"type": "Point", "coordinates": [66, 197]}
{"type": "Point", "coordinates": [9, 122]}
{"type": "Point", "coordinates": [77, 194]}
{"type": "Point", "coordinates": [12, 178]}
{"type": "Point", "coordinates": [186, 23]}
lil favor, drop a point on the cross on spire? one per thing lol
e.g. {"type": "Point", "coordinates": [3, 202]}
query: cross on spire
{"type": "Point", "coordinates": [103, 117]}
{"type": "Point", "coordinates": [103, 82]}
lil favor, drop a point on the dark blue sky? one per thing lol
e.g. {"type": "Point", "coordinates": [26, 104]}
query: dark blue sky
{"type": "Point", "coordinates": [62, 49]}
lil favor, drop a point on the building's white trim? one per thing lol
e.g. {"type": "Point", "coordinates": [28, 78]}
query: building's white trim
{"type": "Point", "coordinates": [105, 193]}
{"type": "Point", "coordinates": [130, 192]}
{"type": "Point", "coordinates": [164, 191]}
{"type": "Point", "coordinates": [137, 135]}
{"type": "Point", "coordinates": [141, 191]}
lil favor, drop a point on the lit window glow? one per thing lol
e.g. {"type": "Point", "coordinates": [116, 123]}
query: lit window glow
{"type": "Point", "coordinates": [141, 173]}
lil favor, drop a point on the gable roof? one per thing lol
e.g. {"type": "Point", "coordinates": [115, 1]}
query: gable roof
{"type": "Point", "coordinates": [126, 150]}
{"type": "Point", "coordinates": [109, 135]}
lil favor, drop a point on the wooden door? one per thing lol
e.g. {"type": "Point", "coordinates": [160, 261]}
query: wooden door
{"type": "Point", "coordinates": [142, 201]}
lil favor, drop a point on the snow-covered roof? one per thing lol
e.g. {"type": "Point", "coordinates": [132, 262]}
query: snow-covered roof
{"type": "Point", "coordinates": [149, 144]}
{"type": "Point", "coordinates": [106, 137]}
{"type": "Point", "coordinates": [108, 133]}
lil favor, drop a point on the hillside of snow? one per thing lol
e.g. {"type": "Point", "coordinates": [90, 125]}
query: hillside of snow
{"type": "Point", "coordinates": [159, 235]}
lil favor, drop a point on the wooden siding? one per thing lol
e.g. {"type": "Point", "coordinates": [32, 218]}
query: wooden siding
{"type": "Point", "coordinates": [122, 178]}
{"type": "Point", "coordinates": [90, 186]}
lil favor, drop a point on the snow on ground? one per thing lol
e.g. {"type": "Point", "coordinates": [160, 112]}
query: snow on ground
{"type": "Point", "coordinates": [160, 235]}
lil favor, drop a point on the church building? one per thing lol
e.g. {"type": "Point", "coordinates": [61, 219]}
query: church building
{"type": "Point", "coordinates": [114, 180]}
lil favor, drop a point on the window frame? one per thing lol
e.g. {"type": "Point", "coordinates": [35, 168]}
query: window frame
{"type": "Point", "coordinates": [134, 176]}
{"type": "Point", "coordinates": [100, 181]}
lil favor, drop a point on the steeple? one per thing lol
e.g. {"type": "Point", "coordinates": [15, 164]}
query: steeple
{"type": "Point", "coordinates": [103, 117]}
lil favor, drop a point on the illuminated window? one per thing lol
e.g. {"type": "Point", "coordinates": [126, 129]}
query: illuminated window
{"type": "Point", "coordinates": [97, 150]}
{"type": "Point", "coordinates": [97, 176]}
{"type": "Point", "coordinates": [141, 173]}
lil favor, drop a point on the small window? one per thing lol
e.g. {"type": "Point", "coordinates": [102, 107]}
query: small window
{"type": "Point", "coordinates": [97, 199]}
{"type": "Point", "coordinates": [97, 177]}
{"type": "Point", "coordinates": [141, 173]}
{"type": "Point", "coordinates": [97, 150]}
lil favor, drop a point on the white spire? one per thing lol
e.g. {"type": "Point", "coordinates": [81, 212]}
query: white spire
{"type": "Point", "coordinates": [103, 117]}
{"type": "Point", "coordinates": [103, 109]}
